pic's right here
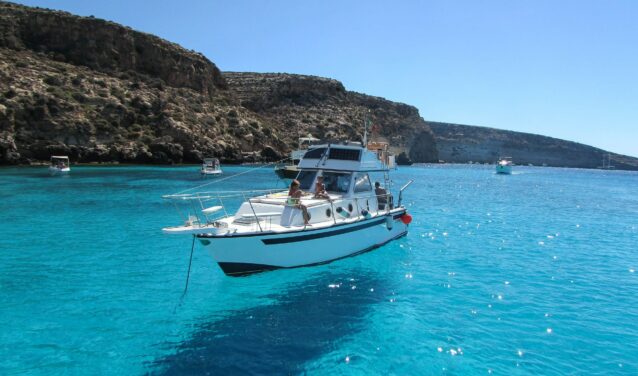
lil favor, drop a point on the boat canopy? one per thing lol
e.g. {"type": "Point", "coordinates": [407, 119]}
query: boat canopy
{"type": "Point", "coordinates": [60, 157]}
{"type": "Point", "coordinates": [349, 157]}
{"type": "Point", "coordinates": [307, 140]}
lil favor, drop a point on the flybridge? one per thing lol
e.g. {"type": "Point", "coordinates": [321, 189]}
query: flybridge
{"type": "Point", "coordinates": [349, 157]}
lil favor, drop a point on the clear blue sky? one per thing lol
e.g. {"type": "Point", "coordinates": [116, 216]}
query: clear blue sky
{"type": "Point", "coordinates": [567, 69]}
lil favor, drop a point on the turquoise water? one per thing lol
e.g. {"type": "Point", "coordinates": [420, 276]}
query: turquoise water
{"type": "Point", "coordinates": [532, 273]}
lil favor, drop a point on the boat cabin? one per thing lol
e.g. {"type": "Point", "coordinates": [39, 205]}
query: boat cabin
{"type": "Point", "coordinates": [346, 171]}
{"type": "Point", "coordinates": [304, 144]}
{"type": "Point", "coordinates": [60, 161]}
{"type": "Point", "coordinates": [211, 166]}
{"type": "Point", "coordinates": [211, 163]}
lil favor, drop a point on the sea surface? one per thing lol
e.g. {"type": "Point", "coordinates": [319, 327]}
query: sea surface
{"type": "Point", "coordinates": [528, 274]}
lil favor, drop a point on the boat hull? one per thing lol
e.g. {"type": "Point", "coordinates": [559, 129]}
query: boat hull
{"type": "Point", "coordinates": [242, 255]}
{"type": "Point", "coordinates": [59, 171]}
{"type": "Point", "coordinates": [213, 172]}
{"type": "Point", "coordinates": [505, 170]}
{"type": "Point", "coordinates": [287, 172]}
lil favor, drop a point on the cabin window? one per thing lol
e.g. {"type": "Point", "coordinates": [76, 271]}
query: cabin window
{"type": "Point", "coordinates": [314, 153]}
{"type": "Point", "coordinates": [345, 154]}
{"type": "Point", "coordinates": [337, 181]}
{"type": "Point", "coordinates": [306, 178]}
{"type": "Point", "coordinates": [362, 183]}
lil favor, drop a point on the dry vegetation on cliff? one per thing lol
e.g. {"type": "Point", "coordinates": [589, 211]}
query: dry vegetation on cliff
{"type": "Point", "coordinates": [98, 91]}
{"type": "Point", "coordinates": [101, 92]}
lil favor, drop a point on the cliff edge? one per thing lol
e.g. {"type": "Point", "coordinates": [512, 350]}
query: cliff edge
{"type": "Point", "coordinates": [462, 143]}
{"type": "Point", "coordinates": [101, 92]}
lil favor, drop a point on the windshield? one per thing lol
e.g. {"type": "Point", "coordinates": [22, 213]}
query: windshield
{"type": "Point", "coordinates": [337, 181]}
{"type": "Point", "coordinates": [362, 183]}
{"type": "Point", "coordinates": [306, 178]}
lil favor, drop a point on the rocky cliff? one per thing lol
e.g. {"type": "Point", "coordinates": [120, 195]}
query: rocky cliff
{"type": "Point", "coordinates": [463, 143]}
{"type": "Point", "coordinates": [99, 91]}
{"type": "Point", "coordinates": [325, 109]}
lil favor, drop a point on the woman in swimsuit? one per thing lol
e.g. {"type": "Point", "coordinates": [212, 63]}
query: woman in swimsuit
{"type": "Point", "coordinates": [294, 198]}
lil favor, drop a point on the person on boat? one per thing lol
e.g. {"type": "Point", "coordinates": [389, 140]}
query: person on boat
{"type": "Point", "coordinates": [382, 195]}
{"type": "Point", "coordinates": [320, 189]}
{"type": "Point", "coordinates": [294, 199]}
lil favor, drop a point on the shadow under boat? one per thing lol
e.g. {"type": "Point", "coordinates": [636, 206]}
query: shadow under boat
{"type": "Point", "coordinates": [306, 321]}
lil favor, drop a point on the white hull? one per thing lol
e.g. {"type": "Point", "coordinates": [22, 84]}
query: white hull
{"type": "Point", "coordinates": [503, 169]}
{"type": "Point", "coordinates": [211, 172]}
{"type": "Point", "coordinates": [56, 170]}
{"type": "Point", "coordinates": [245, 254]}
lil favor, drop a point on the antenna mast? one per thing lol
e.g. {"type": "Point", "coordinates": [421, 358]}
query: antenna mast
{"type": "Point", "coordinates": [365, 129]}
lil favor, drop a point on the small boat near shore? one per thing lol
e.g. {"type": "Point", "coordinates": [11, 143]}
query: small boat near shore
{"type": "Point", "coordinates": [268, 231]}
{"type": "Point", "coordinates": [290, 171]}
{"type": "Point", "coordinates": [60, 164]}
{"type": "Point", "coordinates": [211, 166]}
{"type": "Point", "coordinates": [504, 166]}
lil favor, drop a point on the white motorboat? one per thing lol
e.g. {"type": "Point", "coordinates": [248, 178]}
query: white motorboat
{"type": "Point", "coordinates": [211, 166]}
{"type": "Point", "coordinates": [268, 232]}
{"type": "Point", "coordinates": [504, 166]}
{"type": "Point", "coordinates": [291, 170]}
{"type": "Point", "coordinates": [60, 164]}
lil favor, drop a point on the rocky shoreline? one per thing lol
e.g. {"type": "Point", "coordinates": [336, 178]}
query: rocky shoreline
{"type": "Point", "coordinates": [102, 92]}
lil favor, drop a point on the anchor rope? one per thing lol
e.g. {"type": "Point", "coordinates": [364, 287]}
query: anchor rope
{"type": "Point", "coordinates": [188, 274]}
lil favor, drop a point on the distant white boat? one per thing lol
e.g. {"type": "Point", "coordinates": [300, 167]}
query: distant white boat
{"type": "Point", "coordinates": [60, 164]}
{"type": "Point", "coordinates": [504, 166]}
{"type": "Point", "coordinates": [291, 170]}
{"type": "Point", "coordinates": [211, 166]}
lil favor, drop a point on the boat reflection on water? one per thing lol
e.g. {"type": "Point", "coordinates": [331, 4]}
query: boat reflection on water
{"type": "Point", "coordinates": [307, 320]}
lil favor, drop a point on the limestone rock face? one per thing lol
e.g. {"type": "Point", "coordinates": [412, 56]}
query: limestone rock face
{"type": "Point", "coordinates": [101, 92]}
{"type": "Point", "coordinates": [463, 143]}
{"type": "Point", "coordinates": [297, 105]}
{"type": "Point", "coordinates": [105, 47]}
{"type": "Point", "coordinates": [423, 148]}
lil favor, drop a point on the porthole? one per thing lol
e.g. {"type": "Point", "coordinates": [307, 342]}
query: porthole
{"type": "Point", "coordinates": [350, 207]}
{"type": "Point", "coordinates": [328, 213]}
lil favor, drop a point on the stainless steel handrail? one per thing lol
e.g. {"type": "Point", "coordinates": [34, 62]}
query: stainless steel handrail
{"type": "Point", "coordinates": [401, 191]}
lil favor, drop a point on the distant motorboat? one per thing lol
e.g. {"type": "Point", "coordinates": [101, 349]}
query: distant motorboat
{"type": "Point", "coordinates": [290, 171]}
{"type": "Point", "coordinates": [60, 164]}
{"type": "Point", "coordinates": [287, 171]}
{"type": "Point", "coordinates": [504, 166]}
{"type": "Point", "coordinates": [211, 166]}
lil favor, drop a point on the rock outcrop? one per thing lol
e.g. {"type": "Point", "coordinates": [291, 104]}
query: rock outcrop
{"type": "Point", "coordinates": [299, 105]}
{"type": "Point", "coordinates": [105, 47]}
{"type": "Point", "coordinates": [99, 91]}
{"type": "Point", "coordinates": [463, 143]}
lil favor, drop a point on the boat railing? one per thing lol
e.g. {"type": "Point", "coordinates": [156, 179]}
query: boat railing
{"type": "Point", "coordinates": [402, 189]}
{"type": "Point", "coordinates": [209, 207]}
{"type": "Point", "coordinates": [206, 206]}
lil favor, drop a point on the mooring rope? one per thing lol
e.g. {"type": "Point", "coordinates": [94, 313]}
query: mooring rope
{"type": "Point", "coordinates": [188, 274]}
